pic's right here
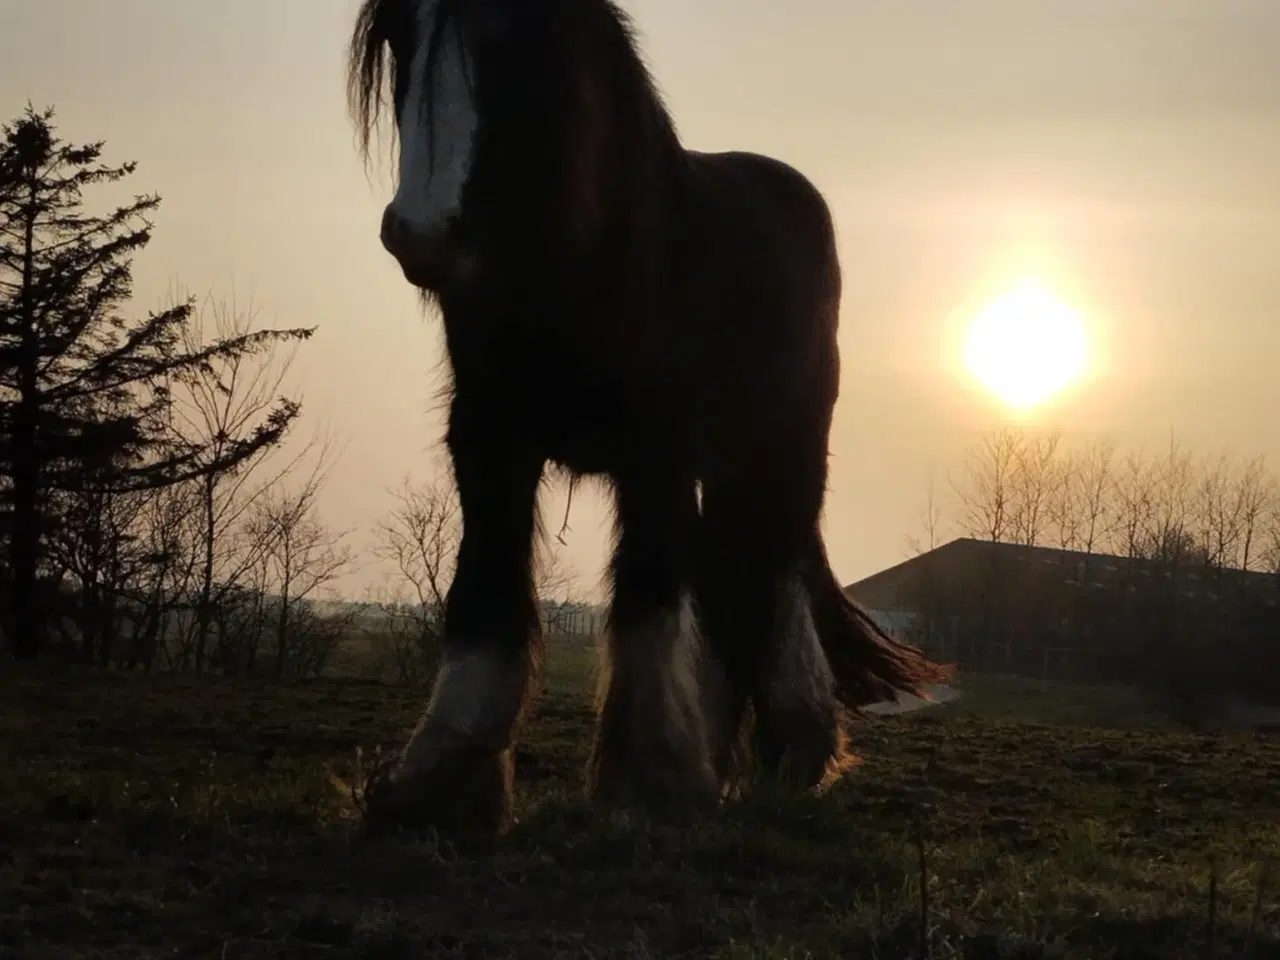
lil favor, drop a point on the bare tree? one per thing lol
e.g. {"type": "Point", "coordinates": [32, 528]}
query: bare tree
{"type": "Point", "coordinates": [1135, 506]}
{"type": "Point", "coordinates": [554, 582]}
{"type": "Point", "coordinates": [987, 494]}
{"type": "Point", "coordinates": [1037, 478]}
{"type": "Point", "coordinates": [1170, 539]}
{"type": "Point", "coordinates": [1094, 480]}
{"type": "Point", "coordinates": [420, 536]}
{"type": "Point", "coordinates": [164, 527]}
{"type": "Point", "coordinates": [227, 405]}
{"type": "Point", "coordinates": [96, 545]}
{"type": "Point", "coordinates": [303, 555]}
{"type": "Point", "coordinates": [931, 519]}
{"type": "Point", "coordinates": [1216, 513]}
{"type": "Point", "coordinates": [1064, 508]}
{"type": "Point", "coordinates": [1257, 492]}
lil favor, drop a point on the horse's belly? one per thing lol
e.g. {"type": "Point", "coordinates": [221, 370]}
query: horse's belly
{"type": "Point", "coordinates": [586, 442]}
{"type": "Point", "coordinates": [599, 434]}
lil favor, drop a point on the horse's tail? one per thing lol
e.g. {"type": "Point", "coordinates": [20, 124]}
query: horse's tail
{"type": "Point", "coordinates": [869, 665]}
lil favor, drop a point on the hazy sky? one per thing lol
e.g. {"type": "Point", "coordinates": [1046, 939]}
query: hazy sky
{"type": "Point", "coordinates": [1125, 152]}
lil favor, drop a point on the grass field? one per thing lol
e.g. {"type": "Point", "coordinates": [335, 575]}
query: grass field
{"type": "Point", "coordinates": [175, 817]}
{"type": "Point", "coordinates": [1021, 700]}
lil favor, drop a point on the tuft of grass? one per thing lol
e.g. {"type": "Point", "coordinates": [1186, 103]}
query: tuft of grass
{"type": "Point", "coordinates": [172, 816]}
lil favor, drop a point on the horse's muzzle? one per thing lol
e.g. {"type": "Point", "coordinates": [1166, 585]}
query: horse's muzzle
{"type": "Point", "coordinates": [430, 260]}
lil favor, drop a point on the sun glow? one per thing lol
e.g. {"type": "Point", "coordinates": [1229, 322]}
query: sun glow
{"type": "Point", "coordinates": [1027, 346]}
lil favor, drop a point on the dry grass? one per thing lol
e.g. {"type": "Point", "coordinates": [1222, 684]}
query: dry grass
{"type": "Point", "coordinates": [174, 817]}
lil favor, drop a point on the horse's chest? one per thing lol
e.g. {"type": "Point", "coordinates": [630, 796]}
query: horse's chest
{"type": "Point", "coordinates": [585, 423]}
{"type": "Point", "coordinates": [585, 403]}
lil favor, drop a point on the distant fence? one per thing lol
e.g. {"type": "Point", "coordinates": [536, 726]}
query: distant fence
{"type": "Point", "coordinates": [582, 622]}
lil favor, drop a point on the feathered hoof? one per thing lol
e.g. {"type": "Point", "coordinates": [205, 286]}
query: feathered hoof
{"type": "Point", "coordinates": [797, 747]}
{"type": "Point", "coordinates": [466, 792]}
{"type": "Point", "coordinates": [653, 781]}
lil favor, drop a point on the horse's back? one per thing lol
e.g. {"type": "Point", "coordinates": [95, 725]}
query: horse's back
{"type": "Point", "coordinates": [755, 188]}
{"type": "Point", "coordinates": [758, 226]}
{"type": "Point", "coordinates": [763, 278]}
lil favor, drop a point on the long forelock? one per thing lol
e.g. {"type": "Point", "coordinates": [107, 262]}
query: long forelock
{"type": "Point", "coordinates": [372, 68]}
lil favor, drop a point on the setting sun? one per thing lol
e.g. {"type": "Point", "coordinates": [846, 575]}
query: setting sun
{"type": "Point", "coordinates": [1026, 346]}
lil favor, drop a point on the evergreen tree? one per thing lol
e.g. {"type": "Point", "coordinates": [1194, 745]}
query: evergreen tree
{"type": "Point", "coordinates": [84, 389]}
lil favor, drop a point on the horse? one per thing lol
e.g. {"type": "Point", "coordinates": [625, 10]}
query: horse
{"type": "Point", "coordinates": [617, 305]}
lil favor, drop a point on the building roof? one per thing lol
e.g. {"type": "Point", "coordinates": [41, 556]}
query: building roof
{"type": "Point", "coordinates": [881, 590]}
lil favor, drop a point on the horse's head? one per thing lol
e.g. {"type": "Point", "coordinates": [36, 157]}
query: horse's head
{"type": "Point", "coordinates": [448, 65]}
{"type": "Point", "coordinates": [523, 126]}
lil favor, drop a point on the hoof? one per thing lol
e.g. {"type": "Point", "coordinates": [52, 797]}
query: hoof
{"type": "Point", "coordinates": [653, 776]}
{"type": "Point", "coordinates": [654, 739]}
{"type": "Point", "coordinates": [465, 792]}
{"type": "Point", "coordinates": [799, 748]}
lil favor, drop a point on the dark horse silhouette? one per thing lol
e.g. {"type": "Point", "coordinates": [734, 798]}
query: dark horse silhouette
{"type": "Point", "coordinates": [618, 305]}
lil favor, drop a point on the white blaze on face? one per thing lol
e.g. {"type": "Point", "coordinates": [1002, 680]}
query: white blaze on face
{"type": "Point", "coordinates": [430, 192]}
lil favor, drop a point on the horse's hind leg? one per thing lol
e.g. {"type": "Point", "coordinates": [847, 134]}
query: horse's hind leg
{"type": "Point", "coordinates": [456, 771]}
{"type": "Point", "coordinates": [652, 741]}
{"type": "Point", "coordinates": [759, 617]}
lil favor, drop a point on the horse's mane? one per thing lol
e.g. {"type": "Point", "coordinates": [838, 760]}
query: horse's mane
{"type": "Point", "coordinates": [580, 27]}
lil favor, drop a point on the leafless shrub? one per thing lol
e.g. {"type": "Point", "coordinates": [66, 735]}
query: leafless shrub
{"type": "Point", "coordinates": [419, 537]}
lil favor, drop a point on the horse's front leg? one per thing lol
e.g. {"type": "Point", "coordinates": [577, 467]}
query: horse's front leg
{"type": "Point", "coordinates": [456, 772]}
{"type": "Point", "coordinates": [653, 741]}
